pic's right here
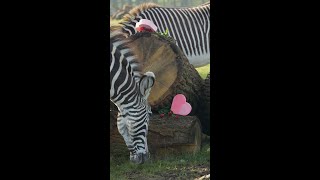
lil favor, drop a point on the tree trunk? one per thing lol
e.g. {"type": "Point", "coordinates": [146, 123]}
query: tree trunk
{"type": "Point", "coordinates": [204, 112]}
{"type": "Point", "coordinates": [167, 135]}
{"type": "Point", "coordinates": [174, 74]}
{"type": "Point", "coordinates": [173, 136]}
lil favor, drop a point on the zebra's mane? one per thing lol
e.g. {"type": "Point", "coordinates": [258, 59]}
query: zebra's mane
{"type": "Point", "coordinates": [118, 39]}
{"type": "Point", "coordinates": [138, 9]}
{"type": "Point", "coordinates": [118, 36]}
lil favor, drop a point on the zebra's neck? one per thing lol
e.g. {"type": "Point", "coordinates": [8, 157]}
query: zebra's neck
{"type": "Point", "coordinates": [128, 28]}
{"type": "Point", "coordinates": [125, 73]}
{"type": "Point", "coordinates": [124, 104]}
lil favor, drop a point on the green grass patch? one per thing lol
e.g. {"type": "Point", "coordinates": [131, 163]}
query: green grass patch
{"type": "Point", "coordinates": [179, 166]}
{"type": "Point", "coordinates": [204, 71]}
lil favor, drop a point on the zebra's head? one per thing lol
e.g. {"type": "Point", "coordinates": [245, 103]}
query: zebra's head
{"type": "Point", "coordinates": [138, 129]}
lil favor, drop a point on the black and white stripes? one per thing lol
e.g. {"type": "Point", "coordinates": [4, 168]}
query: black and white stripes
{"type": "Point", "coordinates": [129, 91]}
{"type": "Point", "coordinates": [190, 27]}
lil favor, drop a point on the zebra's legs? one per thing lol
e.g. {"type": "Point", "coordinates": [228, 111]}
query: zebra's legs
{"type": "Point", "coordinates": [123, 130]}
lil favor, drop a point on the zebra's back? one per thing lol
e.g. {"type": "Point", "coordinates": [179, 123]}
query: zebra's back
{"type": "Point", "coordinates": [190, 27]}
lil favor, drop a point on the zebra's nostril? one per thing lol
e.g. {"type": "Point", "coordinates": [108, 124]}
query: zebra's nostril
{"type": "Point", "coordinates": [137, 159]}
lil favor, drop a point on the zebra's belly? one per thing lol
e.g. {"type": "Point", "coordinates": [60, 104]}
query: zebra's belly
{"type": "Point", "coordinates": [199, 60]}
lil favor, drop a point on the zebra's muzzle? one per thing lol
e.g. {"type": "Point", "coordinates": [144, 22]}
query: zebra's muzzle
{"type": "Point", "coordinates": [139, 158]}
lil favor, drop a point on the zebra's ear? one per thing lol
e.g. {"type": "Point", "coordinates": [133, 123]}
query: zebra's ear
{"type": "Point", "coordinates": [146, 83]}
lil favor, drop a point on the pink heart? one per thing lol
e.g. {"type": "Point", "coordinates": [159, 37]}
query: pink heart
{"type": "Point", "coordinates": [180, 106]}
{"type": "Point", "coordinates": [147, 23]}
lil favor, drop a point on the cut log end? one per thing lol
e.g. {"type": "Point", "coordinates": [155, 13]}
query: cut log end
{"type": "Point", "coordinates": [174, 74]}
{"type": "Point", "coordinates": [159, 58]}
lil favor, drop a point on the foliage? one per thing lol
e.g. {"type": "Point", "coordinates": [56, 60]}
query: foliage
{"type": "Point", "coordinates": [164, 110]}
{"type": "Point", "coordinates": [166, 33]}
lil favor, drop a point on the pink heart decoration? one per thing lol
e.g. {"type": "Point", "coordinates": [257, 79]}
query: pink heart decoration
{"type": "Point", "coordinates": [180, 106]}
{"type": "Point", "coordinates": [145, 23]}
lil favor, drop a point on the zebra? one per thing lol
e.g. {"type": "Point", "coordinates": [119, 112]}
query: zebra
{"type": "Point", "coordinates": [129, 91]}
{"type": "Point", "coordinates": [190, 27]}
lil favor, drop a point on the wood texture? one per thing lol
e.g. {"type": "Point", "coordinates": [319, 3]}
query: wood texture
{"type": "Point", "coordinates": [167, 135]}
{"type": "Point", "coordinates": [174, 74]}
{"type": "Point", "coordinates": [204, 112]}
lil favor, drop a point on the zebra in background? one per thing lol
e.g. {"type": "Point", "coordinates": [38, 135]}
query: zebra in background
{"type": "Point", "coordinates": [190, 27]}
{"type": "Point", "coordinates": [129, 91]}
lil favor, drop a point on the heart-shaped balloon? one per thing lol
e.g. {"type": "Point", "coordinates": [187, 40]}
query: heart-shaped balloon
{"type": "Point", "coordinates": [180, 106]}
{"type": "Point", "coordinates": [146, 25]}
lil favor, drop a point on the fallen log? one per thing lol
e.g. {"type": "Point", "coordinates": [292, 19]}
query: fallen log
{"type": "Point", "coordinates": [167, 135]}
{"type": "Point", "coordinates": [174, 74]}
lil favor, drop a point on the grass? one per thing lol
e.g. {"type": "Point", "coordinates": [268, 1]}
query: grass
{"type": "Point", "coordinates": [182, 166]}
{"type": "Point", "coordinates": [203, 71]}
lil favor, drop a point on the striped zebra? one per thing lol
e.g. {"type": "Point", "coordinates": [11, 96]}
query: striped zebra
{"type": "Point", "coordinates": [190, 27]}
{"type": "Point", "coordinates": [129, 91]}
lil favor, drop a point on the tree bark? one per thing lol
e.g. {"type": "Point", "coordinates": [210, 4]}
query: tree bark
{"type": "Point", "coordinates": [204, 112]}
{"type": "Point", "coordinates": [174, 74]}
{"type": "Point", "coordinates": [167, 135]}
